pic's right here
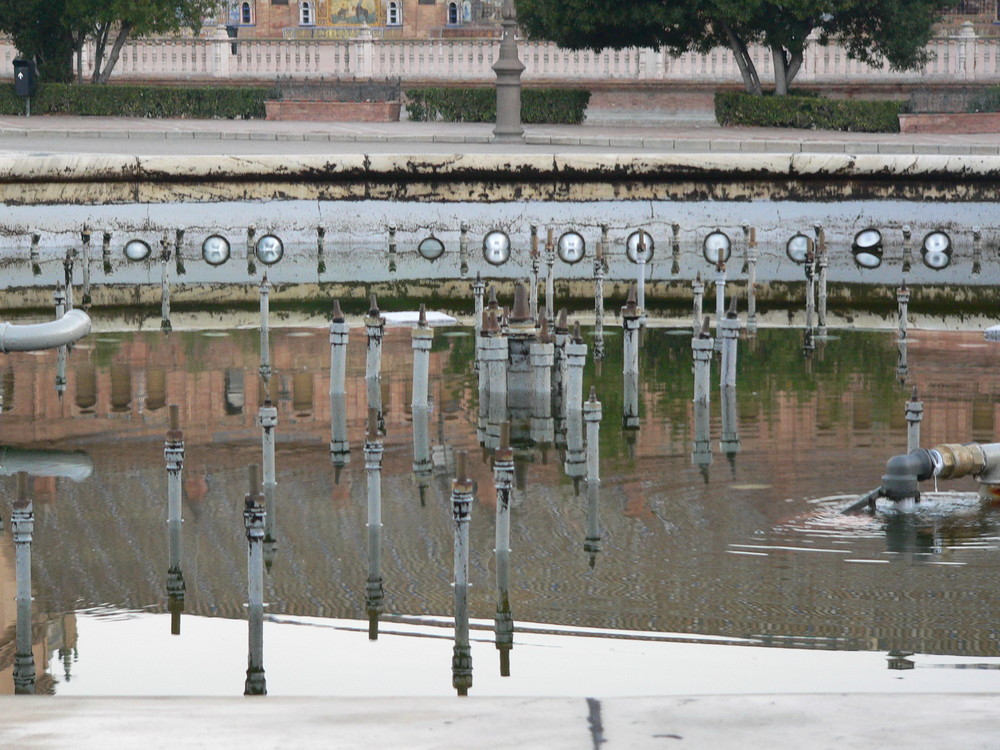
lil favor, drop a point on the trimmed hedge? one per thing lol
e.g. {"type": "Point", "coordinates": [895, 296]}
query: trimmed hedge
{"type": "Point", "coordinates": [538, 106]}
{"type": "Point", "coordinates": [814, 112]}
{"type": "Point", "coordinates": [203, 102]}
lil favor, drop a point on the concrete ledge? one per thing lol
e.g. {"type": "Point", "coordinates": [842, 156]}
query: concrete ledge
{"type": "Point", "coordinates": [777, 722]}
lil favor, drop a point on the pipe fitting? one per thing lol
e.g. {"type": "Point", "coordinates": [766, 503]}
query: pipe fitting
{"type": "Point", "coordinates": [960, 460]}
{"type": "Point", "coordinates": [904, 473]}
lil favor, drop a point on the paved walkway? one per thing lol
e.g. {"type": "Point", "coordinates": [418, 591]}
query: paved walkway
{"type": "Point", "coordinates": [148, 136]}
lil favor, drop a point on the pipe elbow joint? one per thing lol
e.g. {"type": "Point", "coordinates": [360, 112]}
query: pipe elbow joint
{"type": "Point", "coordinates": [903, 474]}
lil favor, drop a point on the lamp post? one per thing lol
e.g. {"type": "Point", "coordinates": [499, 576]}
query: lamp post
{"type": "Point", "coordinates": [508, 69]}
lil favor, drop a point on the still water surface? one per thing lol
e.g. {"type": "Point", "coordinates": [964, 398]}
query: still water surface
{"type": "Point", "coordinates": [699, 564]}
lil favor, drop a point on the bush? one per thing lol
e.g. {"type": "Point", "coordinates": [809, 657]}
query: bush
{"type": "Point", "coordinates": [797, 111]}
{"type": "Point", "coordinates": [987, 100]}
{"type": "Point", "coordinates": [538, 106]}
{"type": "Point", "coordinates": [205, 102]}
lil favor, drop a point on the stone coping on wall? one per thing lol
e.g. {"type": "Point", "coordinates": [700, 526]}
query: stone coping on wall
{"type": "Point", "coordinates": [81, 179]}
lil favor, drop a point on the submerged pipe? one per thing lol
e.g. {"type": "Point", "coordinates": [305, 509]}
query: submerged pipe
{"type": "Point", "coordinates": [68, 329]}
{"type": "Point", "coordinates": [903, 473]}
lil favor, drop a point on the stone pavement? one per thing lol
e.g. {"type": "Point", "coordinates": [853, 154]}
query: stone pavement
{"type": "Point", "coordinates": [775, 722]}
{"type": "Point", "coordinates": [131, 135]}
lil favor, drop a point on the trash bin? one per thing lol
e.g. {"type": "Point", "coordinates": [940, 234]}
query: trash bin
{"type": "Point", "coordinates": [24, 77]}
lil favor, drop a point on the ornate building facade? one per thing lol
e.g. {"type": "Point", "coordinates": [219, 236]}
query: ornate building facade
{"type": "Point", "coordinates": [340, 19]}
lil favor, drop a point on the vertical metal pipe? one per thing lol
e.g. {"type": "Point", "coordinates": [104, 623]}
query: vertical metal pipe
{"type": "Point", "coordinates": [720, 292]}
{"type": "Point", "coordinates": [374, 592]}
{"type": "Point", "coordinates": [265, 333]}
{"type": "Point", "coordinates": [600, 271]}
{"type": "Point", "coordinates": [701, 454]}
{"type": "Point", "coordinates": [173, 454]}
{"type": "Point", "coordinates": [267, 419]}
{"type": "Point", "coordinates": [495, 358]}
{"type": "Point", "coordinates": [592, 416]}
{"type": "Point", "coordinates": [164, 286]}
{"type": "Point", "coordinates": [422, 337]}
{"type": "Point", "coordinates": [503, 479]}
{"type": "Point", "coordinates": [640, 256]}
{"type": "Point", "coordinates": [338, 350]}
{"type": "Point", "coordinates": [550, 261]}
{"type": "Point", "coordinates": [729, 443]}
{"type": "Point", "coordinates": [822, 262]}
{"type": "Point", "coordinates": [478, 290]}
{"type": "Point", "coordinates": [535, 259]}
{"type": "Point", "coordinates": [914, 415]}
{"type": "Point", "coordinates": [22, 522]}
{"type": "Point", "coordinates": [903, 300]}
{"type": "Point", "coordinates": [698, 294]}
{"type": "Point", "coordinates": [702, 348]}
{"type": "Point", "coordinates": [68, 272]}
{"type": "Point", "coordinates": [59, 296]}
{"type": "Point", "coordinates": [576, 358]}
{"type": "Point", "coordinates": [461, 508]}
{"type": "Point", "coordinates": [253, 521]}
{"type": "Point", "coordinates": [85, 252]}
{"type": "Point", "coordinates": [630, 338]}
{"type": "Point", "coordinates": [375, 328]}
{"type": "Point", "coordinates": [729, 331]}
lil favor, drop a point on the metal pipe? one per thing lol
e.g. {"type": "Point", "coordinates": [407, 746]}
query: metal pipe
{"type": "Point", "coordinates": [267, 418]}
{"type": "Point", "coordinates": [265, 341]}
{"type": "Point", "coordinates": [550, 261]}
{"type": "Point", "coordinates": [698, 296]}
{"type": "Point", "coordinates": [535, 258]}
{"type": "Point", "coordinates": [253, 521]}
{"type": "Point", "coordinates": [421, 339]}
{"type": "Point", "coordinates": [338, 351]}
{"type": "Point", "coordinates": [903, 300]}
{"type": "Point", "coordinates": [22, 521]}
{"type": "Point", "coordinates": [461, 508]}
{"type": "Point", "coordinates": [822, 263]}
{"type": "Point", "coordinates": [600, 271]}
{"type": "Point", "coordinates": [173, 454]}
{"type": "Point", "coordinates": [592, 416]}
{"type": "Point", "coordinates": [374, 592]}
{"type": "Point", "coordinates": [914, 415]}
{"type": "Point", "coordinates": [68, 329]}
{"type": "Point", "coordinates": [752, 257]}
{"type": "Point", "coordinates": [630, 338]}
{"type": "Point", "coordinates": [503, 480]}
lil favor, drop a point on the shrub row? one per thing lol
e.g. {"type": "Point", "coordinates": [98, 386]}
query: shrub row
{"type": "Point", "coordinates": [856, 115]}
{"type": "Point", "coordinates": [538, 106]}
{"type": "Point", "coordinates": [987, 100]}
{"type": "Point", "coordinates": [204, 102]}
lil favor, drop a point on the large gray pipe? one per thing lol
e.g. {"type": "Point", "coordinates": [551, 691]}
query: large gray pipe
{"type": "Point", "coordinates": [68, 329]}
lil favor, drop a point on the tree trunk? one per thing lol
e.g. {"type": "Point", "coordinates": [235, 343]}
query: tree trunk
{"type": "Point", "coordinates": [100, 43]}
{"type": "Point", "coordinates": [794, 64]}
{"type": "Point", "coordinates": [780, 63]}
{"type": "Point", "coordinates": [751, 81]}
{"type": "Point", "coordinates": [123, 32]}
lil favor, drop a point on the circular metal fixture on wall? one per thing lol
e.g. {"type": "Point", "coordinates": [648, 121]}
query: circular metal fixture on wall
{"type": "Point", "coordinates": [430, 248]}
{"type": "Point", "coordinates": [797, 248]}
{"type": "Point", "coordinates": [215, 250]}
{"type": "Point", "coordinates": [269, 249]}
{"type": "Point", "coordinates": [867, 248]}
{"type": "Point", "coordinates": [717, 247]}
{"type": "Point", "coordinates": [496, 247]}
{"type": "Point", "coordinates": [137, 250]}
{"type": "Point", "coordinates": [632, 246]}
{"type": "Point", "coordinates": [936, 250]}
{"type": "Point", "coordinates": [571, 247]}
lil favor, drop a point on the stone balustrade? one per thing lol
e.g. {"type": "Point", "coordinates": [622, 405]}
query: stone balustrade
{"type": "Point", "coordinates": [960, 58]}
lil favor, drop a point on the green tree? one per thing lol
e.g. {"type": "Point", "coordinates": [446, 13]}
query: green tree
{"type": "Point", "coordinates": [872, 31]}
{"type": "Point", "coordinates": [40, 34]}
{"type": "Point", "coordinates": [114, 21]}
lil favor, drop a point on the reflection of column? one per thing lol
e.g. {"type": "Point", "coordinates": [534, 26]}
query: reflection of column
{"type": "Point", "coordinates": [550, 261]}
{"type": "Point", "coordinates": [592, 416]}
{"type": "Point", "coordinates": [463, 249]}
{"type": "Point", "coordinates": [752, 257]}
{"type": "Point", "coordinates": [86, 388]}
{"type": "Point", "coordinates": [374, 592]}
{"type": "Point", "coordinates": [22, 521]}
{"type": "Point", "coordinates": [576, 457]}
{"type": "Point", "coordinates": [265, 342]}
{"type": "Point", "coordinates": [302, 393]}
{"type": "Point", "coordinates": [542, 359]}
{"type": "Point", "coordinates": [461, 508]}
{"type": "Point", "coordinates": [173, 453]}
{"type": "Point", "coordinates": [503, 478]}
{"type": "Point", "coordinates": [701, 349]}
{"type": "Point", "coordinates": [253, 520]}
{"type": "Point", "coordinates": [421, 339]}
{"type": "Point", "coordinates": [535, 261]}
{"type": "Point", "coordinates": [156, 388]}
{"type": "Point", "coordinates": [267, 418]}
{"type": "Point", "coordinates": [121, 388]}
{"type": "Point", "coordinates": [630, 410]}
{"type": "Point", "coordinates": [559, 363]}
{"type": "Point", "coordinates": [822, 263]}
{"type": "Point", "coordinates": [903, 299]}
{"type": "Point", "coordinates": [730, 442]}
{"type": "Point", "coordinates": [477, 316]}
{"type": "Point", "coordinates": [7, 389]}
{"type": "Point", "coordinates": [576, 358]}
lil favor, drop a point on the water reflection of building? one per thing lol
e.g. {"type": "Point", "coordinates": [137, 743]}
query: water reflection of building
{"type": "Point", "coordinates": [346, 19]}
{"type": "Point", "coordinates": [667, 576]}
